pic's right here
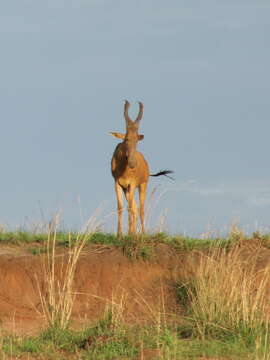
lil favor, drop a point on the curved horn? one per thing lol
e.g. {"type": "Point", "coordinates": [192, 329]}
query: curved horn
{"type": "Point", "coordinates": [126, 112]}
{"type": "Point", "coordinates": [138, 119]}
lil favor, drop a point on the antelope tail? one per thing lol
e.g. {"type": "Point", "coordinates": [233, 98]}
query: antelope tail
{"type": "Point", "coordinates": [165, 173]}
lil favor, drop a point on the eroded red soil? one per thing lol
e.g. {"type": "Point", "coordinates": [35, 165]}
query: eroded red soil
{"type": "Point", "coordinates": [104, 277]}
{"type": "Point", "coordinates": [140, 291]}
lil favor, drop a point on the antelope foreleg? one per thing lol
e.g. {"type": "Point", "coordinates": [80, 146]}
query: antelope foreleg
{"type": "Point", "coordinates": [118, 191]}
{"type": "Point", "coordinates": [131, 210]}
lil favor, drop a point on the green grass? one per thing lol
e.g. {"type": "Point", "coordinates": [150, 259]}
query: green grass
{"type": "Point", "coordinates": [111, 339]}
{"type": "Point", "coordinates": [101, 343]}
{"type": "Point", "coordinates": [137, 247]}
{"type": "Point", "coordinates": [142, 245]}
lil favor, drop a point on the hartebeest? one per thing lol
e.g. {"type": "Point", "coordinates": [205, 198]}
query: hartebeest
{"type": "Point", "coordinates": [130, 171]}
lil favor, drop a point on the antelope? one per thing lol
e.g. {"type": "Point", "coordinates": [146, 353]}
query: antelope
{"type": "Point", "coordinates": [131, 171]}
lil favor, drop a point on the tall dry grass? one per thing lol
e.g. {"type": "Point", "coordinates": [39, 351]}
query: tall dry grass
{"type": "Point", "coordinates": [229, 296]}
{"type": "Point", "coordinates": [57, 295]}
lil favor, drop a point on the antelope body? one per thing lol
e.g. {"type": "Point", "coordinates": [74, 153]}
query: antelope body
{"type": "Point", "coordinates": [130, 171]}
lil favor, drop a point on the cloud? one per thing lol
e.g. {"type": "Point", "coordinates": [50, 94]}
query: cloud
{"type": "Point", "coordinates": [260, 201]}
{"type": "Point", "coordinates": [192, 186]}
{"type": "Point", "coordinates": [261, 197]}
{"type": "Point", "coordinates": [252, 192]}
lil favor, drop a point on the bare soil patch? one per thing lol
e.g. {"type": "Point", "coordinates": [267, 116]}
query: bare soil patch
{"type": "Point", "coordinates": [104, 277]}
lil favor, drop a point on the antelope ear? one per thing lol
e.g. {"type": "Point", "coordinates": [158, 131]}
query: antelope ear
{"type": "Point", "coordinates": [117, 135]}
{"type": "Point", "coordinates": [140, 137]}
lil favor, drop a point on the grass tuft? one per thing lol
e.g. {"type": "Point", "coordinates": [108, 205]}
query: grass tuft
{"type": "Point", "coordinates": [58, 295]}
{"type": "Point", "coordinates": [227, 299]}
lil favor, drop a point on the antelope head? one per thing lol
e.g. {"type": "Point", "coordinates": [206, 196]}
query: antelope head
{"type": "Point", "coordinates": [132, 136]}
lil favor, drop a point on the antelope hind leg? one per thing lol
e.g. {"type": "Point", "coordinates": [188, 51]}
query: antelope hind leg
{"type": "Point", "coordinates": [142, 196]}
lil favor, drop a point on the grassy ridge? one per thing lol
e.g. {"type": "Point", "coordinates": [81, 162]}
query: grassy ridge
{"type": "Point", "coordinates": [182, 242]}
{"type": "Point", "coordinates": [135, 247]}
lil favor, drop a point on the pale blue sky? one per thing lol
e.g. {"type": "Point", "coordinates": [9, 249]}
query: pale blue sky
{"type": "Point", "coordinates": [201, 68]}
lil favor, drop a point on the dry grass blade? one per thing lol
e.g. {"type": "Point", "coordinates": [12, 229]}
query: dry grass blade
{"type": "Point", "coordinates": [57, 297]}
{"type": "Point", "coordinates": [229, 295]}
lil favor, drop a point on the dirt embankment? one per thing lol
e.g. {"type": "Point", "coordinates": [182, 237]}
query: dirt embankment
{"type": "Point", "coordinates": [104, 277]}
{"type": "Point", "coordinates": [140, 291]}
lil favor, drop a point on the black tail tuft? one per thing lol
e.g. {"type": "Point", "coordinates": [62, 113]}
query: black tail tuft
{"type": "Point", "coordinates": [165, 173]}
